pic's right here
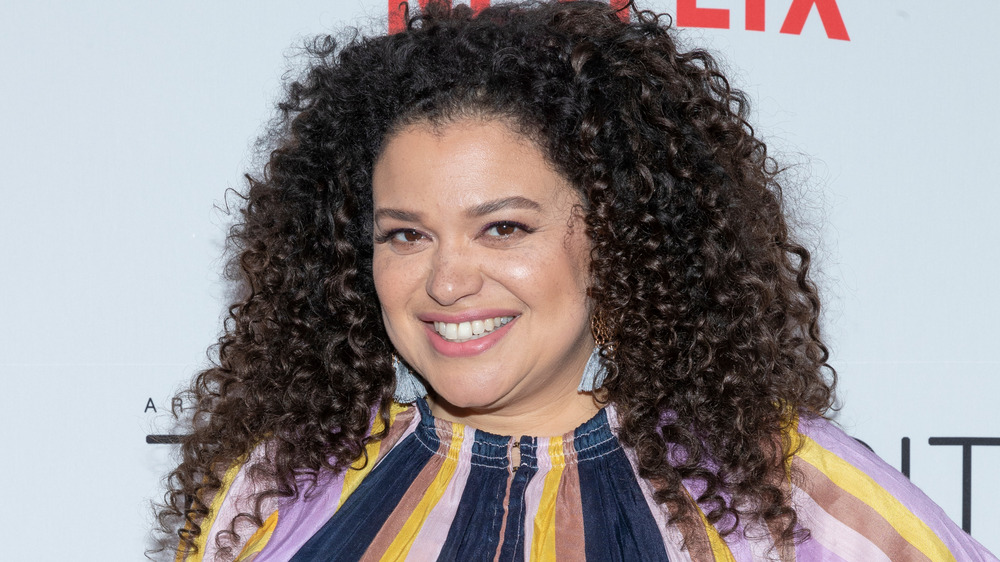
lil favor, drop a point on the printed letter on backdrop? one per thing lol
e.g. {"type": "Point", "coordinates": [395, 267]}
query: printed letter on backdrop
{"type": "Point", "coordinates": [690, 15]}
{"type": "Point", "coordinates": [755, 15]}
{"type": "Point", "coordinates": [829, 13]}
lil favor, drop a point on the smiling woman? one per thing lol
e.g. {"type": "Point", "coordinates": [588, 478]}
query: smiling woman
{"type": "Point", "coordinates": [473, 225]}
{"type": "Point", "coordinates": [519, 285]}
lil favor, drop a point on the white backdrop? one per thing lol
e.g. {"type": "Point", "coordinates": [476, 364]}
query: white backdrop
{"type": "Point", "coordinates": [124, 123]}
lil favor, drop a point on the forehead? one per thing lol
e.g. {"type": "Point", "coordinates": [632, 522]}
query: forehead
{"type": "Point", "coordinates": [464, 163]}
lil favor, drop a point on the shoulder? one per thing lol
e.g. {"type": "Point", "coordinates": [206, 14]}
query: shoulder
{"type": "Point", "coordinates": [228, 524]}
{"type": "Point", "coordinates": [286, 521]}
{"type": "Point", "coordinates": [852, 502]}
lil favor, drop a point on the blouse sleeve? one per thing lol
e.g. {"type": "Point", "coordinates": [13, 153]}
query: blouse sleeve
{"type": "Point", "coordinates": [235, 496]}
{"type": "Point", "coordinates": [857, 507]}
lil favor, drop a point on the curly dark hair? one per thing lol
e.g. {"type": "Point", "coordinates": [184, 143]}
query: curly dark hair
{"type": "Point", "coordinates": [715, 323]}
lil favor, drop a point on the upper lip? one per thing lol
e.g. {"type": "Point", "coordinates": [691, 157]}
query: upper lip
{"type": "Point", "coordinates": [466, 316]}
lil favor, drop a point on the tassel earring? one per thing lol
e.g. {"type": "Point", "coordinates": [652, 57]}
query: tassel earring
{"type": "Point", "coordinates": [408, 387]}
{"type": "Point", "coordinates": [596, 371]}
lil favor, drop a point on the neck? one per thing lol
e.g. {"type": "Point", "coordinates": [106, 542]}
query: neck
{"type": "Point", "coordinates": [555, 418]}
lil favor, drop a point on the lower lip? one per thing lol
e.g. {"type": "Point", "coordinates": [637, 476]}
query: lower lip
{"type": "Point", "coordinates": [466, 348]}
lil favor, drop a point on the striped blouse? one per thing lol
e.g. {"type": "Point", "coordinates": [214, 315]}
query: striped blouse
{"type": "Point", "coordinates": [437, 490]}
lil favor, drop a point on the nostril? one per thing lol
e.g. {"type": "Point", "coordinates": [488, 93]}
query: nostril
{"type": "Point", "coordinates": [450, 281]}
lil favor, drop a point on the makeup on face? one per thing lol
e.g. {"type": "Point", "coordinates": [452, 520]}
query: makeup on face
{"type": "Point", "coordinates": [481, 264]}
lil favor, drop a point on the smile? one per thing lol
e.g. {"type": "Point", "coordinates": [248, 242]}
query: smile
{"type": "Point", "coordinates": [467, 331]}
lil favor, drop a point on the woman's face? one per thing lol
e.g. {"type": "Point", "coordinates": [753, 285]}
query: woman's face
{"type": "Point", "coordinates": [481, 264]}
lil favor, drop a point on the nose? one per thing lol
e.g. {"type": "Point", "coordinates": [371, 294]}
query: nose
{"type": "Point", "coordinates": [455, 274]}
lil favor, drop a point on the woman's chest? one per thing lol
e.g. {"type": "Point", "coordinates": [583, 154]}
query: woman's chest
{"type": "Point", "coordinates": [440, 496]}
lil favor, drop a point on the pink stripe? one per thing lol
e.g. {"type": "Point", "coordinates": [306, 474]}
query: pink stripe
{"type": "Point", "coordinates": [236, 502]}
{"type": "Point", "coordinates": [829, 537]}
{"type": "Point", "coordinates": [299, 519]}
{"type": "Point", "coordinates": [434, 531]}
{"type": "Point", "coordinates": [833, 439]}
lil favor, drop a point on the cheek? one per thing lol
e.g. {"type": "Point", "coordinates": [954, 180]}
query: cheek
{"type": "Point", "coordinates": [557, 274]}
{"type": "Point", "coordinates": [389, 280]}
{"type": "Point", "coordinates": [387, 277]}
{"type": "Point", "coordinates": [379, 274]}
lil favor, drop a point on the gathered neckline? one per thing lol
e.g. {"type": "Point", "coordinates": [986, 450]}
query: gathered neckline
{"type": "Point", "coordinates": [591, 440]}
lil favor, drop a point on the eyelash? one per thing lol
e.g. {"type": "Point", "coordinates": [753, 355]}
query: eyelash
{"type": "Point", "coordinates": [522, 227]}
{"type": "Point", "coordinates": [388, 236]}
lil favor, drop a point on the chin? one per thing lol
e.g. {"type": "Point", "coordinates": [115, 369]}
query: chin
{"type": "Point", "coordinates": [470, 396]}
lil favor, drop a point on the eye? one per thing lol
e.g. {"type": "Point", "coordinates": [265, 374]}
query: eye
{"type": "Point", "coordinates": [401, 239]}
{"type": "Point", "coordinates": [407, 235]}
{"type": "Point", "coordinates": [505, 229]}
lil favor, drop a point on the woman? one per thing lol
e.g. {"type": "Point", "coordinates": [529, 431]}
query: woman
{"type": "Point", "coordinates": [519, 286]}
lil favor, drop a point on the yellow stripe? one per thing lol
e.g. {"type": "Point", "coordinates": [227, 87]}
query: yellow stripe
{"type": "Point", "coordinates": [794, 443]}
{"type": "Point", "coordinates": [258, 540]}
{"type": "Point", "coordinates": [720, 551]}
{"type": "Point", "coordinates": [855, 482]}
{"type": "Point", "coordinates": [359, 470]}
{"type": "Point", "coordinates": [543, 544]}
{"type": "Point", "coordinates": [213, 510]}
{"type": "Point", "coordinates": [400, 546]}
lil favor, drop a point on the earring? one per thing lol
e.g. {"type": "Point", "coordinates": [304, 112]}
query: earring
{"type": "Point", "coordinates": [408, 386]}
{"type": "Point", "coordinates": [599, 329]}
{"type": "Point", "coordinates": [596, 371]}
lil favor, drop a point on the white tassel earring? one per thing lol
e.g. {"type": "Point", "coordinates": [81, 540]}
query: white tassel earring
{"type": "Point", "coordinates": [596, 371]}
{"type": "Point", "coordinates": [593, 373]}
{"type": "Point", "coordinates": [408, 387]}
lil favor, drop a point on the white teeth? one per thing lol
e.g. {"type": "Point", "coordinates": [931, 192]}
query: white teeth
{"type": "Point", "coordinates": [465, 331]}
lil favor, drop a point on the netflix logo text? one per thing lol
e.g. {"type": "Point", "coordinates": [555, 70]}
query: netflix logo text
{"type": "Point", "coordinates": [700, 13]}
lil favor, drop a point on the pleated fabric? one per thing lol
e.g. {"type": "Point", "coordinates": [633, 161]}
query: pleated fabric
{"type": "Point", "coordinates": [435, 490]}
{"type": "Point", "coordinates": [447, 492]}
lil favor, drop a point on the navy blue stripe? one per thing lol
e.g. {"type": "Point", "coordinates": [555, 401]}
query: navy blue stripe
{"type": "Point", "coordinates": [350, 531]}
{"type": "Point", "coordinates": [617, 523]}
{"type": "Point", "coordinates": [475, 530]}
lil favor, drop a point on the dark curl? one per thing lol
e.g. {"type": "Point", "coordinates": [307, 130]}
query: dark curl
{"type": "Point", "coordinates": [716, 345]}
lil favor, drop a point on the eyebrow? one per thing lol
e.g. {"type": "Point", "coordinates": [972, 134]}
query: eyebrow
{"type": "Point", "coordinates": [515, 202]}
{"type": "Point", "coordinates": [398, 214]}
{"type": "Point", "coordinates": [480, 210]}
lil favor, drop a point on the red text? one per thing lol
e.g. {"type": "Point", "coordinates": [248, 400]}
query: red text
{"type": "Point", "coordinates": [690, 14]}
{"type": "Point", "coordinates": [397, 10]}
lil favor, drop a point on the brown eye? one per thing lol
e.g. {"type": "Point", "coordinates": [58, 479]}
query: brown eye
{"type": "Point", "coordinates": [408, 235]}
{"type": "Point", "coordinates": [506, 229]}
{"type": "Point", "coordinates": [503, 229]}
